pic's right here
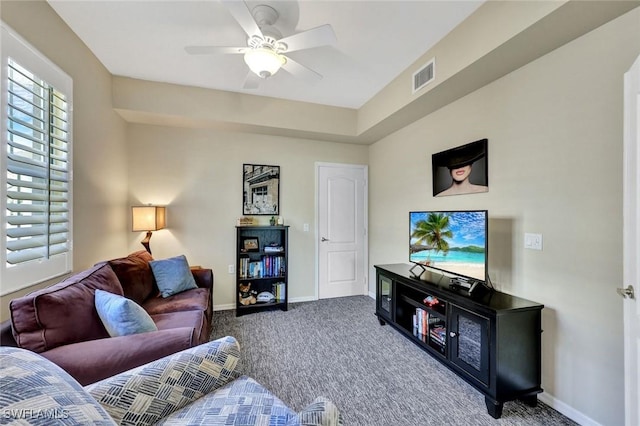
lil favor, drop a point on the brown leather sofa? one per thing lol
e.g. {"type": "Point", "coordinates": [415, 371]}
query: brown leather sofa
{"type": "Point", "coordinates": [61, 323]}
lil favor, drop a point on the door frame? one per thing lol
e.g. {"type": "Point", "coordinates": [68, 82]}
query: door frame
{"type": "Point", "coordinates": [316, 218]}
{"type": "Point", "coordinates": [631, 240]}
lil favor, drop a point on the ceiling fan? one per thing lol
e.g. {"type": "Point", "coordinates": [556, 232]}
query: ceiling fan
{"type": "Point", "coordinates": [266, 49]}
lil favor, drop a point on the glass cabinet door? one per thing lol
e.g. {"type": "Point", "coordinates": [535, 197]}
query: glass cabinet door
{"type": "Point", "coordinates": [384, 296]}
{"type": "Point", "coordinates": [469, 339]}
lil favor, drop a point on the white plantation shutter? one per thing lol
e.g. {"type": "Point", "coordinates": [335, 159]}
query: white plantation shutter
{"type": "Point", "coordinates": [36, 167]}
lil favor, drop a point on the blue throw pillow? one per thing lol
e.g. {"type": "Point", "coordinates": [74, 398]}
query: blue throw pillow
{"type": "Point", "coordinates": [172, 275]}
{"type": "Point", "coordinates": [122, 316]}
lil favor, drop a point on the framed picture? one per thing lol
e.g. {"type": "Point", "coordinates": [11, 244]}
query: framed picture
{"type": "Point", "coordinates": [249, 244]}
{"type": "Point", "coordinates": [260, 190]}
{"type": "Point", "coordinates": [461, 170]}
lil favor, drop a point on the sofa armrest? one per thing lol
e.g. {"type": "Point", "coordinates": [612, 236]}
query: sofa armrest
{"type": "Point", "coordinates": [6, 335]}
{"type": "Point", "coordinates": [321, 412]}
{"type": "Point", "coordinates": [148, 393]}
{"type": "Point", "coordinates": [203, 277]}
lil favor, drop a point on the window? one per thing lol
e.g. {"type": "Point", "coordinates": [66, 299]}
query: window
{"type": "Point", "coordinates": [36, 166]}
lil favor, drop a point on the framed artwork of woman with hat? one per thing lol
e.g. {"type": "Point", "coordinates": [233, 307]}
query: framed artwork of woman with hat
{"type": "Point", "coordinates": [461, 170]}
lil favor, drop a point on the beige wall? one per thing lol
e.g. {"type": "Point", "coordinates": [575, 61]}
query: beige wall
{"type": "Point", "coordinates": [198, 174]}
{"type": "Point", "coordinates": [555, 157]}
{"type": "Point", "coordinates": [99, 149]}
{"type": "Point", "coordinates": [555, 168]}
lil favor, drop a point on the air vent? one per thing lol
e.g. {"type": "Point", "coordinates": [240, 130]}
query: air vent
{"type": "Point", "coordinates": [424, 75]}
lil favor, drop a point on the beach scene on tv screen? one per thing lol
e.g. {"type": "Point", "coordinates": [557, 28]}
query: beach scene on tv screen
{"type": "Point", "coordinates": [450, 241]}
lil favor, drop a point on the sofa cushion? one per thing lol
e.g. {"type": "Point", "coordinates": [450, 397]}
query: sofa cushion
{"type": "Point", "coordinates": [122, 316]}
{"type": "Point", "coordinates": [191, 319]}
{"type": "Point", "coordinates": [172, 275]}
{"type": "Point", "coordinates": [63, 313]}
{"type": "Point", "coordinates": [135, 275]}
{"type": "Point", "coordinates": [196, 299]}
{"type": "Point", "coordinates": [94, 360]}
{"type": "Point", "coordinates": [320, 412]}
{"type": "Point", "coordinates": [144, 395]}
{"type": "Point", "coordinates": [240, 402]}
{"type": "Point", "coordinates": [35, 391]}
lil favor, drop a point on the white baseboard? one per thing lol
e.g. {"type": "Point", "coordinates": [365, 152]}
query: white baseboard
{"type": "Point", "coordinates": [567, 410]}
{"type": "Point", "coordinates": [372, 294]}
{"type": "Point", "coordinates": [230, 306]}
{"type": "Point", "coordinates": [303, 299]}
{"type": "Point", "coordinates": [226, 307]}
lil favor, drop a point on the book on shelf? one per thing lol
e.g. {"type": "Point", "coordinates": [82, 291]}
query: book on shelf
{"type": "Point", "coordinates": [255, 269]}
{"type": "Point", "coordinates": [425, 324]}
{"type": "Point", "coordinates": [421, 320]}
{"type": "Point", "coordinates": [267, 267]}
{"type": "Point", "coordinates": [279, 290]}
{"type": "Point", "coordinates": [273, 266]}
{"type": "Point", "coordinates": [273, 249]}
{"type": "Point", "coordinates": [438, 334]}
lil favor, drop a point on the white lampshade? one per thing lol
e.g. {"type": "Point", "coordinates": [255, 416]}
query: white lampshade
{"type": "Point", "coordinates": [264, 62]}
{"type": "Point", "coordinates": [148, 218]}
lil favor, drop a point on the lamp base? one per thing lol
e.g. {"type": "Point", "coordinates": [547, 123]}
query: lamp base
{"type": "Point", "coordinates": [146, 240]}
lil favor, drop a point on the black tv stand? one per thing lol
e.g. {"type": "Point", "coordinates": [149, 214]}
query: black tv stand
{"type": "Point", "coordinates": [490, 339]}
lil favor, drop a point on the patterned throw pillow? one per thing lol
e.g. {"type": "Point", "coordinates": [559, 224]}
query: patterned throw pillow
{"type": "Point", "coordinates": [122, 316]}
{"type": "Point", "coordinates": [172, 275]}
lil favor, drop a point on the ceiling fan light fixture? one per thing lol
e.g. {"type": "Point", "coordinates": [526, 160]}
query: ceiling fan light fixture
{"type": "Point", "coordinates": [263, 61]}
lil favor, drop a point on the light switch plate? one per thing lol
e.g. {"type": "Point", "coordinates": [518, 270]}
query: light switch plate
{"type": "Point", "coordinates": [533, 241]}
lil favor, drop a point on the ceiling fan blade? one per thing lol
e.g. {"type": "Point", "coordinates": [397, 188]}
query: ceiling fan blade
{"type": "Point", "coordinates": [208, 50]}
{"type": "Point", "coordinates": [242, 14]}
{"type": "Point", "coordinates": [252, 81]}
{"type": "Point", "coordinates": [319, 36]}
{"type": "Point", "coordinates": [300, 71]}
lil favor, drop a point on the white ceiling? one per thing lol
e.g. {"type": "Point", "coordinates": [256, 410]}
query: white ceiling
{"type": "Point", "coordinates": [377, 40]}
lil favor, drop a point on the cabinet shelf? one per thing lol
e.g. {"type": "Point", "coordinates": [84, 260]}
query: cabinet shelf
{"type": "Point", "coordinates": [276, 277]}
{"type": "Point", "coordinates": [261, 305]}
{"type": "Point", "coordinates": [420, 305]}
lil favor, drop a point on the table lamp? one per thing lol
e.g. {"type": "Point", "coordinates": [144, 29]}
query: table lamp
{"type": "Point", "coordinates": [148, 218]}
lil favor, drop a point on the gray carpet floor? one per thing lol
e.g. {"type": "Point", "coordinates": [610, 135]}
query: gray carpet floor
{"type": "Point", "coordinates": [376, 377]}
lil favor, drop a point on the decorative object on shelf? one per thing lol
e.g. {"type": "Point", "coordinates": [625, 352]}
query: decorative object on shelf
{"type": "Point", "coordinates": [260, 190]}
{"type": "Point", "coordinates": [461, 170]}
{"type": "Point", "coordinates": [273, 221]}
{"type": "Point", "coordinates": [246, 221]}
{"type": "Point", "coordinates": [250, 244]}
{"type": "Point", "coordinates": [265, 297]}
{"type": "Point", "coordinates": [280, 220]}
{"type": "Point", "coordinates": [246, 295]}
{"type": "Point", "coordinates": [148, 218]}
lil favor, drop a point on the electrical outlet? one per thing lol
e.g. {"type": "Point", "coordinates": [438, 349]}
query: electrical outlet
{"type": "Point", "coordinates": [231, 269]}
{"type": "Point", "coordinates": [533, 241]}
{"type": "Point", "coordinates": [305, 227]}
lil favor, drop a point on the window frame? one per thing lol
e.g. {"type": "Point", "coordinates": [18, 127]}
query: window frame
{"type": "Point", "coordinates": [31, 272]}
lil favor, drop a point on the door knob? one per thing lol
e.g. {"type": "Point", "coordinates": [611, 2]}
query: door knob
{"type": "Point", "coordinates": [626, 292]}
{"type": "Point", "coordinates": [323, 239]}
{"type": "Point", "coordinates": [452, 334]}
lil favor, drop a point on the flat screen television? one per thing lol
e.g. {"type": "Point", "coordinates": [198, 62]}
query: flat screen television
{"type": "Point", "coordinates": [454, 242]}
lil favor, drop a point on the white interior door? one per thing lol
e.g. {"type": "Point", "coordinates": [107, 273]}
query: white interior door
{"type": "Point", "coordinates": [631, 232]}
{"type": "Point", "coordinates": [342, 230]}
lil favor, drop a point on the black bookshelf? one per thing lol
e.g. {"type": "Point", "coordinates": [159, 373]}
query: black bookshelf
{"type": "Point", "coordinates": [262, 264]}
